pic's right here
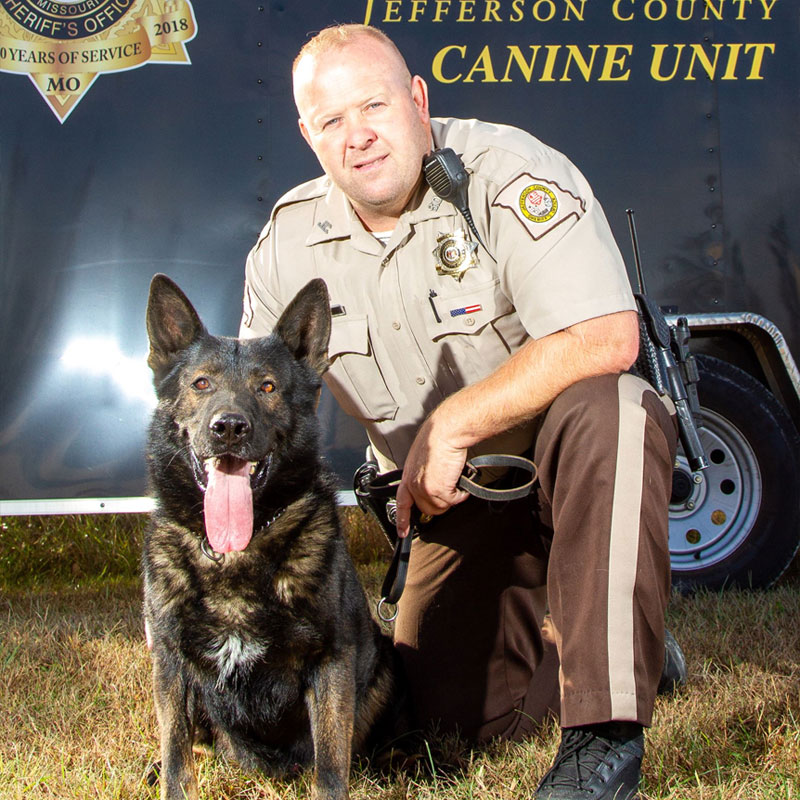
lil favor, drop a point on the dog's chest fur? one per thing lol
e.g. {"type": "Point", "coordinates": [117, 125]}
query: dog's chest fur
{"type": "Point", "coordinates": [250, 610]}
{"type": "Point", "coordinates": [235, 652]}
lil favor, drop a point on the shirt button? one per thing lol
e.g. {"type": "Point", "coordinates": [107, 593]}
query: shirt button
{"type": "Point", "coordinates": [469, 321]}
{"type": "Point", "coordinates": [396, 325]}
{"type": "Point", "coordinates": [420, 380]}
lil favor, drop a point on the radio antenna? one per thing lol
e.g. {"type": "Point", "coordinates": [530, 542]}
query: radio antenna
{"type": "Point", "coordinates": [636, 258]}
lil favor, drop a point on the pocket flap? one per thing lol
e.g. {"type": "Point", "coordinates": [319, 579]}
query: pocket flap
{"type": "Point", "coordinates": [349, 334]}
{"type": "Point", "coordinates": [469, 311]}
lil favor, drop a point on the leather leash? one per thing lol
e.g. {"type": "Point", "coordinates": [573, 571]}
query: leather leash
{"type": "Point", "coordinates": [377, 492]}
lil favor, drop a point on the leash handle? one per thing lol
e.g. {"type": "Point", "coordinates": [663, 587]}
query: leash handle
{"type": "Point", "coordinates": [385, 484]}
{"type": "Point", "coordinates": [472, 470]}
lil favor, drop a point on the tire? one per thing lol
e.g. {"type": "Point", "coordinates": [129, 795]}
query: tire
{"type": "Point", "coordinates": [736, 523]}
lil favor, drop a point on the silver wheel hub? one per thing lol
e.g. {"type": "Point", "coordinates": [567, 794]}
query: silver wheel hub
{"type": "Point", "coordinates": [712, 511]}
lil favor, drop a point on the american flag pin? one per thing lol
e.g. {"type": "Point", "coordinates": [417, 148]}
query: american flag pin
{"type": "Point", "coordinates": [457, 312]}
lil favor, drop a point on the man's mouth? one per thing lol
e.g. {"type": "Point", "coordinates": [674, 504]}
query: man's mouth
{"type": "Point", "coordinates": [227, 483]}
{"type": "Point", "coordinates": [373, 163]}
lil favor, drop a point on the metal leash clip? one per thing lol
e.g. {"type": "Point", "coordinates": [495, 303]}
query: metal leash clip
{"type": "Point", "coordinates": [395, 580]}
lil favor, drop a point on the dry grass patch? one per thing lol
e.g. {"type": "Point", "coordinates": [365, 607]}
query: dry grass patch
{"type": "Point", "coordinates": [77, 718]}
{"type": "Point", "coordinates": [75, 673]}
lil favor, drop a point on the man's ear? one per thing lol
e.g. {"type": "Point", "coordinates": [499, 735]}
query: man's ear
{"type": "Point", "coordinates": [419, 94]}
{"type": "Point", "coordinates": [304, 132]}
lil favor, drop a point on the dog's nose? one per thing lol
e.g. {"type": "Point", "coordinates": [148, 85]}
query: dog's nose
{"type": "Point", "coordinates": [230, 428]}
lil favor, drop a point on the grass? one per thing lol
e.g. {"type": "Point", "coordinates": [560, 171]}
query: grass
{"type": "Point", "coordinates": [77, 718]}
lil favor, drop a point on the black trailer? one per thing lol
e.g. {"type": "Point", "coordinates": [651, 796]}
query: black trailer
{"type": "Point", "coordinates": [139, 136]}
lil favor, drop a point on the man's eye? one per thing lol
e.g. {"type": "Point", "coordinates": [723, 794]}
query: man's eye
{"type": "Point", "coordinates": [202, 384]}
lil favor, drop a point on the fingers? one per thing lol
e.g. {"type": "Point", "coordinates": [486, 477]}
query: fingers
{"type": "Point", "coordinates": [430, 476]}
{"type": "Point", "coordinates": [410, 494]}
{"type": "Point", "coordinates": [404, 505]}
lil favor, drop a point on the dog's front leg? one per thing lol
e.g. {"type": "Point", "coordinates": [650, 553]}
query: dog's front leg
{"type": "Point", "coordinates": [331, 705]}
{"type": "Point", "coordinates": [172, 700]}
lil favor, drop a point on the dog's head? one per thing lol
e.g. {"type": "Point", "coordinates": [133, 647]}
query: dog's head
{"type": "Point", "coordinates": [230, 410]}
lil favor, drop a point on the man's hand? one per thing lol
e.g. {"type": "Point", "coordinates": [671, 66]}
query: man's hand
{"type": "Point", "coordinates": [430, 475]}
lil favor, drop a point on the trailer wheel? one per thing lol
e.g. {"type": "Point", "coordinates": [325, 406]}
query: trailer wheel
{"type": "Point", "coordinates": [736, 523]}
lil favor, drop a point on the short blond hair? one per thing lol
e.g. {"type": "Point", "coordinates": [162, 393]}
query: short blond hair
{"type": "Point", "coordinates": [337, 37]}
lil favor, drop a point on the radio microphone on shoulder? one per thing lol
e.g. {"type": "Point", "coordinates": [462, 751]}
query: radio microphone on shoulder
{"type": "Point", "coordinates": [447, 176]}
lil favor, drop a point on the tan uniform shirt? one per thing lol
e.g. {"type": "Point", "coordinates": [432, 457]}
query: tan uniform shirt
{"type": "Point", "coordinates": [430, 311]}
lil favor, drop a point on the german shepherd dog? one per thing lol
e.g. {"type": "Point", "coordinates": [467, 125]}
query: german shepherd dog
{"type": "Point", "coordinates": [259, 629]}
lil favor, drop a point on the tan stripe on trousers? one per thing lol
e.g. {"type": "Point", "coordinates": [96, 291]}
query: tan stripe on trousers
{"type": "Point", "coordinates": [624, 547]}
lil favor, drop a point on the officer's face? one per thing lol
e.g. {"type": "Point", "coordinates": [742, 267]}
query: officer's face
{"type": "Point", "coordinates": [367, 124]}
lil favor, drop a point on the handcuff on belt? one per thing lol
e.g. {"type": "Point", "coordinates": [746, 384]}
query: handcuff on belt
{"type": "Point", "coordinates": [376, 492]}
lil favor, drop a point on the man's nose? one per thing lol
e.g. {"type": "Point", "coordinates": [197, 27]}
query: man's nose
{"type": "Point", "coordinates": [359, 135]}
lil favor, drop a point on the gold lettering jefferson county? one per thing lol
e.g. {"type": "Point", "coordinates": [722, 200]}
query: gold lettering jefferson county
{"type": "Point", "coordinates": [685, 10]}
{"type": "Point", "coordinates": [481, 10]}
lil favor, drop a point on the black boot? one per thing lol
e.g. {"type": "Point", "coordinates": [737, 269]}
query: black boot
{"type": "Point", "coordinates": [596, 762]}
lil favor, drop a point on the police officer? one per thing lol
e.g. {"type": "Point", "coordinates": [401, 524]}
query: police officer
{"type": "Point", "coordinates": [446, 344]}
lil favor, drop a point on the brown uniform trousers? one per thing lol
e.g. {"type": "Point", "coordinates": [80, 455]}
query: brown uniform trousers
{"type": "Point", "coordinates": [554, 603]}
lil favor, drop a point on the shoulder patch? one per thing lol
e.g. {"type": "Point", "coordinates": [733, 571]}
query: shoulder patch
{"type": "Point", "coordinates": [538, 204]}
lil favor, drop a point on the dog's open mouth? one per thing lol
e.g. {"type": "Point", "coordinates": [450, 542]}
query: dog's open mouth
{"type": "Point", "coordinates": [228, 484]}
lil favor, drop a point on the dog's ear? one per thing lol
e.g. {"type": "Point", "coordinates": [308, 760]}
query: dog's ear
{"type": "Point", "coordinates": [305, 325]}
{"type": "Point", "coordinates": [172, 324]}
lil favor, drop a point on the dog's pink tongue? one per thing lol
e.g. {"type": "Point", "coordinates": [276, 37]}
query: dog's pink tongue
{"type": "Point", "coordinates": [228, 505]}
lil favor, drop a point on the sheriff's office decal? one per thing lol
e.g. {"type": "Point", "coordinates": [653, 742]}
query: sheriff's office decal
{"type": "Point", "coordinates": [63, 46]}
{"type": "Point", "coordinates": [538, 204]}
{"type": "Point", "coordinates": [455, 254]}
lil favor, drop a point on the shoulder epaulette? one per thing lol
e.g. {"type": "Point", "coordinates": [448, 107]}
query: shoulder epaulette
{"type": "Point", "coordinates": [310, 190]}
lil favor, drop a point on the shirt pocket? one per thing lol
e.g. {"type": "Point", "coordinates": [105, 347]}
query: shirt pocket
{"type": "Point", "coordinates": [354, 377]}
{"type": "Point", "coordinates": [477, 332]}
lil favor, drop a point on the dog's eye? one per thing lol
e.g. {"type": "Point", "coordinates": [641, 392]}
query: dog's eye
{"type": "Point", "coordinates": [267, 387]}
{"type": "Point", "coordinates": [201, 384]}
